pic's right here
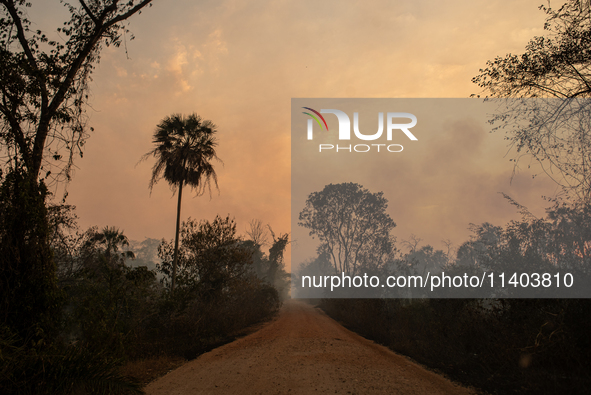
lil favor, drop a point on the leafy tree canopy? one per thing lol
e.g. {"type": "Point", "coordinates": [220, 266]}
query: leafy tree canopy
{"type": "Point", "coordinates": [44, 82]}
{"type": "Point", "coordinates": [352, 225]}
{"type": "Point", "coordinates": [211, 258]}
{"type": "Point", "coordinates": [557, 65]}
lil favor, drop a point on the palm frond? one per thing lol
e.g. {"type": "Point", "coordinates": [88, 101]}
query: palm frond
{"type": "Point", "coordinates": [185, 148]}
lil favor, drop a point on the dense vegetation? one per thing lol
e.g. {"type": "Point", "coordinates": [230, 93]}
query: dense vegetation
{"type": "Point", "coordinates": [499, 345]}
{"type": "Point", "coordinates": [537, 346]}
{"type": "Point", "coordinates": [510, 345]}
{"type": "Point", "coordinates": [99, 312]}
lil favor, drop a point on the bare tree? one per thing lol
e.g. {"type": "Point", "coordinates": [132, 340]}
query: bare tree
{"type": "Point", "coordinates": [257, 232]}
{"type": "Point", "coordinates": [412, 243]}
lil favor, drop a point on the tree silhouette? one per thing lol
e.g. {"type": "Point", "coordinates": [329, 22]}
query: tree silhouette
{"type": "Point", "coordinates": [352, 225]}
{"type": "Point", "coordinates": [276, 251]}
{"type": "Point", "coordinates": [557, 64]}
{"type": "Point", "coordinates": [185, 149]}
{"type": "Point", "coordinates": [257, 232]}
{"type": "Point", "coordinates": [43, 96]}
{"type": "Point", "coordinates": [44, 83]}
{"type": "Point", "coordinates": [111, 238]}
{"type": "Point", "coordinates": [554, 66]}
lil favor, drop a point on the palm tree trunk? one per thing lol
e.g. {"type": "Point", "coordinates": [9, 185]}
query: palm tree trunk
{"type": "Point", "coordinates": [176, 238]}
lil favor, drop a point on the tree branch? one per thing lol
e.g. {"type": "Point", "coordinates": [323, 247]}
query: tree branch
{"type": "Point", "coordinates": [100, 28]}
{"type": "Point", "coordinates": [25, 46]}
{"type": "Point", "coordinates": [21, 33]}
{"type": "Point", "coordinates": [129, 13]}
{"type": "Point", "coordinates": [89, 12]}
{"type": "Point", "coordinates": [580, 76]}
{"type": "Point", "coordinates": [107, 10]}
{"type": "Point", "coordinates": [16, 130]}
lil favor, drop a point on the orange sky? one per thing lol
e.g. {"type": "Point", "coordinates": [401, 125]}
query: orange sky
{"type": "Point", "coordinates": [239, 63]}
{"type": "Point", "coordinates": [454, 174]}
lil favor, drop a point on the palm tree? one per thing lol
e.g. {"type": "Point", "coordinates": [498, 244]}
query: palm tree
{"type": "Point", "coordinates": [111, 238]}
{"type": "Point", "coordinates": [184, 151]}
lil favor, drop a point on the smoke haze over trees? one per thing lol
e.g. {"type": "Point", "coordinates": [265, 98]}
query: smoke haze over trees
{"type": "Point", "coordinates": [508, 345]}
{"type": "Point", "coordinates": [72, 309]}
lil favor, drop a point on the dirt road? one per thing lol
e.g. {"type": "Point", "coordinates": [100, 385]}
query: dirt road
{"type": "Point", "coordinates": [303, 351]}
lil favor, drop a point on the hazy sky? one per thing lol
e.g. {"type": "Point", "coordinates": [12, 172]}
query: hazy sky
{"type": "Point", "coordinates": [239, 63]}
{"type": "Point", "coordinates": [454, 174]}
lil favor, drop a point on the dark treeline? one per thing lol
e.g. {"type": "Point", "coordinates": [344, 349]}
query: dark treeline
{"type": "Point", "coordinates": [498, 345]}
{"type": "Point", "coordinates": [537, 346]}
{"type": "Point", "coordinates": [99, 312]}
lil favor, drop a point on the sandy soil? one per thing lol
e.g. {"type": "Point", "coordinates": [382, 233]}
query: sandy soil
{"type": "Point", "coordinates": [302, 351]}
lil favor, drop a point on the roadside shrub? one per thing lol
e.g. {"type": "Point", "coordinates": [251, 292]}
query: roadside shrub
{"type": "Point", "coordinates": [58, 370]}
{"type": "Point", "coordinates": [207, 323]}
{"type": "Point", "coordinates": [523, 345]}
